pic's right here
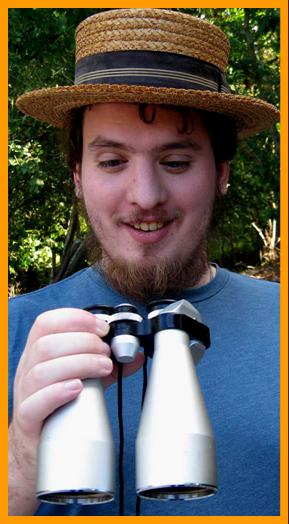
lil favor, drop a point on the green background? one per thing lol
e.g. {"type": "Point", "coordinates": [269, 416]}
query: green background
{"type": "Point", "coordinates": [45, 231]}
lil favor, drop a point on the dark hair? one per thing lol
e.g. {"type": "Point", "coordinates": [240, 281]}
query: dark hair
{"type": "Point", "coordinates": [221, 130]}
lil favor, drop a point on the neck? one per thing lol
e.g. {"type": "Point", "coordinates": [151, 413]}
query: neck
{"type": "Point", "coordinates": [207, 277]}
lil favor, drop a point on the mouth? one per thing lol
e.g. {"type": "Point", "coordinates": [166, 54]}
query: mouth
{"type": "Point", "coordinates": [148, 226]}
{"type": "Point", "coordinates": [148, 231]}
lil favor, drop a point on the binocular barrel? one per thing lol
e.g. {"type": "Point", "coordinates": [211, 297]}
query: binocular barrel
{"type": "Point", "coordinates": [175, 449]}
{"type": "Point", "coordinates": [175, 445]}
{"type": "Point", "coordinates": [76, 449]}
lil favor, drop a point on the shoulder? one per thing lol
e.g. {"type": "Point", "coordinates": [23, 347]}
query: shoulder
{"type": "Point", "coordinates": [78, 290]}
{"type": "Point", "coordinates": [248, 284]}
{"type": "Point", "coordinates": [236, 288]}
{"type": "Point", "coordinates": [70, 292]}
{"type": "Point", "coordinates": [54, 292]}
{"type": "Point", "coordinates": [82, 289]}
{"type": "Point", "coordinates": [256, 299]}
{"type": "Point", "coordinates": [254, 282]}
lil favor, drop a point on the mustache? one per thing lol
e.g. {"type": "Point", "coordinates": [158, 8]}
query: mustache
{"type": "Point", "coordinates": [138, 216]}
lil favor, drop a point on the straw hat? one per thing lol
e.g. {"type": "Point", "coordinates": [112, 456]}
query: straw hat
{"type": "Point", "coordinates": [154, 56]}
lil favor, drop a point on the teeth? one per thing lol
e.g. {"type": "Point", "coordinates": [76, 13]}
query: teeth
{"type": "Point", "coordinates": [148, 226]}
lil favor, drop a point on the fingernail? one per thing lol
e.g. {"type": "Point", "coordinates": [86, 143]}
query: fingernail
{"type": "Point", "coordinates": [105, 348]}
{"type": "Point", "coordinates": [73, 385]}
{"type": "Point", "coordinates": [102, 328]}
{"type": "Point", "coordinates": [106, 364]}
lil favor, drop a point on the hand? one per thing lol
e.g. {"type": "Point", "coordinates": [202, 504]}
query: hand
{"type": "Point", "coordinates": [64, 346]}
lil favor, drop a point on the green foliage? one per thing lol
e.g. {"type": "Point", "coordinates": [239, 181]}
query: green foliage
{"type": "Point", "coordinates": [41, 53]}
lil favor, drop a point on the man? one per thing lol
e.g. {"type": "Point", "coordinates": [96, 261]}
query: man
{"type": "Point", "coordinates": [152, 130]}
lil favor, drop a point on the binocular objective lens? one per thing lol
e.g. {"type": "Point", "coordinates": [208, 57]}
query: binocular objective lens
{"type": "Point", "coordinates": [82, 497]}
{"type": "Point", "coordinates": [178, 492]}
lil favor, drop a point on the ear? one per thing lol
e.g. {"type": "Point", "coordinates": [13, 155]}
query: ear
{"type": "Point", "coordinates": [77, 180]}
{"type": "Point", "coordinates": [223, 173]}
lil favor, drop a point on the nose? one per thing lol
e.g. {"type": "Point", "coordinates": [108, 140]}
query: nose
{"type": "Point", "coordinates": [146, 186]}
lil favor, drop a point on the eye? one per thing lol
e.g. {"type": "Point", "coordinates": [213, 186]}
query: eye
{"type": "Point", "coordinates": [111, 164]}
{"type": "Point", "coordinates": [176, 165]}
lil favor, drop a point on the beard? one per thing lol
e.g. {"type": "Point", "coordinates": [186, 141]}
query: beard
{"type": "Point", "coordinates": [144, 282]}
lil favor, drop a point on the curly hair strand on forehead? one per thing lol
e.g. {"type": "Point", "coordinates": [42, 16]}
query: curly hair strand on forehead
{"type": "Point", "coordinates": [221, 130]}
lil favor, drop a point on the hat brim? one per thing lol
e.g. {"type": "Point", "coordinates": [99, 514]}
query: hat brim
{"type": "Point", "coordinates": [53, 105]}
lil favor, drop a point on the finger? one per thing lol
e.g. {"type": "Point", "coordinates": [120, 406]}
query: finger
{"type": "Point", "coordinates": [65, 368]}
{"type": "Point", "coordinates": [66, 320]}
{"type": "Point", "coordinates": [36, 408]}
{"type": "Point", "coordinates": [62, 344]}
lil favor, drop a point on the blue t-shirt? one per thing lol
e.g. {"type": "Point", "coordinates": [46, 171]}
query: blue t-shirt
{"type": "Point", "coordinates": [239, 377]}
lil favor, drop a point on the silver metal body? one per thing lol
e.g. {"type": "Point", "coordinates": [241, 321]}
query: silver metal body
{"type": "Point", "coordinates": [175, 445]}
{"type": "Point", "coordinates": [125, 347]}
{"type": "Point", "coordinates": [76, 451]}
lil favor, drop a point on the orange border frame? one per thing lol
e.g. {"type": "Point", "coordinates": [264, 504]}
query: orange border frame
{"type": "Point", "coordinates": [283, 5]}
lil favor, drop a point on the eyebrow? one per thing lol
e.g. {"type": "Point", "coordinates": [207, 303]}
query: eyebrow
{"type": "Point", "coordinates": [184, 144]}
{"type": "Point", "coordinates": [100, 142]}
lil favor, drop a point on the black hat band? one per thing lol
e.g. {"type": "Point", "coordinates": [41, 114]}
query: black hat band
{"type": "Point", "coordinates": [158, 69]}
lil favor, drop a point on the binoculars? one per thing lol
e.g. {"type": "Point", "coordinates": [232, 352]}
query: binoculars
{"type": "Point", "coordinates": [175, 447]}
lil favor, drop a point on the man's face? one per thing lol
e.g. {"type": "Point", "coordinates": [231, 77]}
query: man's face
{"type": "Point", "coordinates": [148, 189]}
